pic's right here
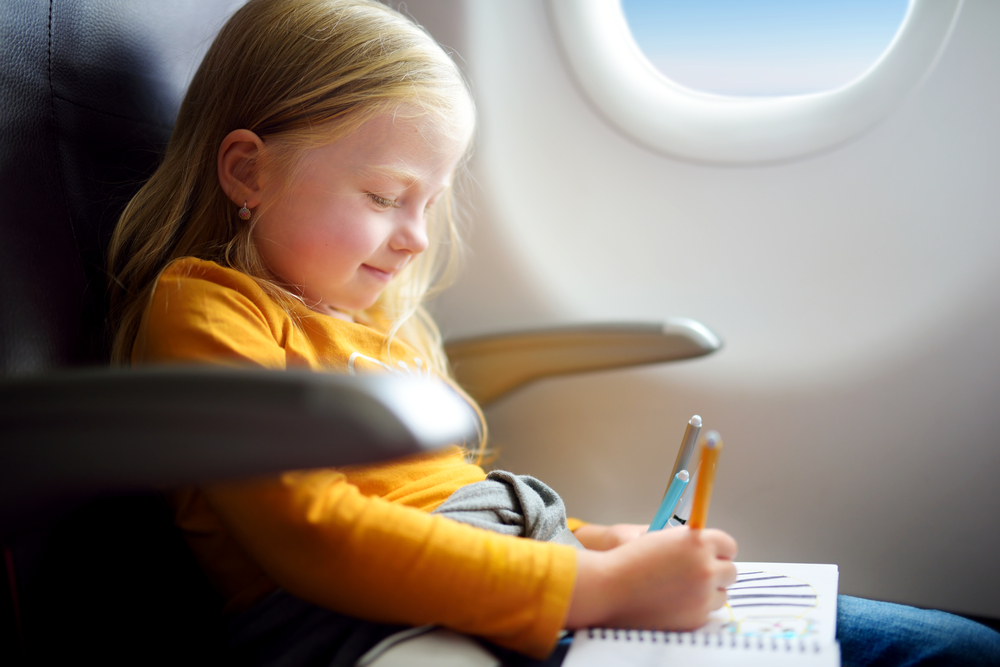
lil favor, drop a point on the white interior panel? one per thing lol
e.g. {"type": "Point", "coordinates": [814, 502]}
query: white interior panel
{"type": "Point", "coordinates": [856, 291]}
{"type": "Point", "coordinates": [635, 97]}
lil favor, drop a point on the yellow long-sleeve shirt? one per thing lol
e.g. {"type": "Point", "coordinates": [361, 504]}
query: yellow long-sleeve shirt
{"type": "Point", "coordinates": [359, 539]}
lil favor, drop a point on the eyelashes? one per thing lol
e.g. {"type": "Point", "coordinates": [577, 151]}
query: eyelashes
{"type": "Point", "coordinates": [382, 202]}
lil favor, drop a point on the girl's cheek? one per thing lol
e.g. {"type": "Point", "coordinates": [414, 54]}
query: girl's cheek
{"type": "Point", "coordinates": [358, 237]}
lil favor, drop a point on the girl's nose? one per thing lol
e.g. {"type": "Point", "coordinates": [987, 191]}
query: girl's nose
{"type": "Point", "coordinates": [411, 235]}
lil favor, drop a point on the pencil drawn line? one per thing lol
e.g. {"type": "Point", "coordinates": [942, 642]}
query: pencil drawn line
{"type": "Point", "coordinates": [769, 595]}
{"type": "Point", "coordinates": [771, 587]}
{"type": "Point", "coordinates": [743, 581]}
{"type": "Point", "coordinates": [771, 604]}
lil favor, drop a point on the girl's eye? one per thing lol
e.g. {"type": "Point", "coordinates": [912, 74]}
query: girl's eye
{"type": "Point", "coordinates": [382, 202]}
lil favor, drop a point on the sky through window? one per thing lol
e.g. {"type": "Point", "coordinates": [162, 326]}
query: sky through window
{"type": "Point", "coordinates": [763, 47]}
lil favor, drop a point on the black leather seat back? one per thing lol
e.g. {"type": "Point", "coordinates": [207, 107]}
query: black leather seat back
{"type": "Point", "coordinates": [90, 90]}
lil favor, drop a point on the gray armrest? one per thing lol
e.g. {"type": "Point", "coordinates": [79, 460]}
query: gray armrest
{"type": "Point", "coordinates": [489, 367]}
{"type": "Point", "coordinates": [78, 434]}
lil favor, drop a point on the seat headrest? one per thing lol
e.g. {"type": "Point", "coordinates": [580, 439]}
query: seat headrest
{"type": "Point", "coordinates": [89, 96]}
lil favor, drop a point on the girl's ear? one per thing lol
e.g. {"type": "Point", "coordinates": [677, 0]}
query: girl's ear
{"type": "Point", "coordinates": [239, 171]}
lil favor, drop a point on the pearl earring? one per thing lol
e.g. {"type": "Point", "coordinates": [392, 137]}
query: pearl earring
{"type": "Point", "coordinates": [244, 212]}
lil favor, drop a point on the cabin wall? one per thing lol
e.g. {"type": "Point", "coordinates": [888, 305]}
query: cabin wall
{"type": "Point", "coordinates": [856, 292]}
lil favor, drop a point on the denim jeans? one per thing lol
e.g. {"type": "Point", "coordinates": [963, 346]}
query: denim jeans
{"type": "Point", "coordinates": [883, 634]}
{"type": "Point", "coordinates": [877, 634]}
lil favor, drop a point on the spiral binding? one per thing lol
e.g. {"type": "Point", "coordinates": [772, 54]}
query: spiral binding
{"type": "Point", "coordinates": [711, 640]}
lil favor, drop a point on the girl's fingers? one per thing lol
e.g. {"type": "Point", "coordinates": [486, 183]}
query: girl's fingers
{"type": "Point", "coordinates": [727, 574]}
{"type": "Point", "coordinates": [724, 544]}
{"type": "Point", "coordinates": [717, 600]}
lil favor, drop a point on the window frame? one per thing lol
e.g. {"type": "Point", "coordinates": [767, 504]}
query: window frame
{"type": "Point", "coordinates": [636, 98]}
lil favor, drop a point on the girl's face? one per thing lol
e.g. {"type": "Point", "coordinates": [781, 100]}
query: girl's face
{"type": "Point", "coordinates": [355, 216]}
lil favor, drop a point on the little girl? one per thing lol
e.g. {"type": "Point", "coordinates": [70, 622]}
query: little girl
{"type": "Point", "coordinates": [302, 213]}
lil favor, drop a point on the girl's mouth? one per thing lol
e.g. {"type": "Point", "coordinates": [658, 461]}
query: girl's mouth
{"type": "Point", "coordinates": [379, 274]}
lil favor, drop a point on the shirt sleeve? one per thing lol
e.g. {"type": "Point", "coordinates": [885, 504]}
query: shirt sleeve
{"type": "Point", "coordinates": [324, 542]}
{"type": "Point", "coordinates": [193, 320]}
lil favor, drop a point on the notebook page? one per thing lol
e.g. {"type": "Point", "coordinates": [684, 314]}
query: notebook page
{"type": "Point", "coordinates": [642, 648]}
{"type": "Point", "coordinates": [784, 600]}
{"type": "Point", "coordinates": [777, 614]}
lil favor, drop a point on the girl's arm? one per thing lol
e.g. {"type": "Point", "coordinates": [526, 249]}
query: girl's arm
{"type": "Point", "coordinates": [602, 538]}
{"type": "Point", "coordinates": [668, 579]}
{"type": "Point", "coordinates": [320, 539]}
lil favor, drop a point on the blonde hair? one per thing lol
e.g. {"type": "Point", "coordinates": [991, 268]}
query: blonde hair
{"type": "Point", "coordinates": [300, 74]}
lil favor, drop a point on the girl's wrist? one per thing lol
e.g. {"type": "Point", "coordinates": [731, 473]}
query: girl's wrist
{"type": "Point", "coordinates": [593, 594]}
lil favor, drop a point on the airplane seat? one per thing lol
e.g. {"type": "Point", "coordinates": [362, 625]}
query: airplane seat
{"type": "Point", "coordinates": [93, 565]}
{"type": "Point", "coordinates": [88, 102]}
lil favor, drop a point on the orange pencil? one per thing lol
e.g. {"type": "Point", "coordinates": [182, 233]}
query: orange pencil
{"type": "Point", "coordinates": [710, 448]}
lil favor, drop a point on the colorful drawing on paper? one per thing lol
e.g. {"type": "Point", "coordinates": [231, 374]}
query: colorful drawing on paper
{"type": "Point", "coordinates": [767, 605]}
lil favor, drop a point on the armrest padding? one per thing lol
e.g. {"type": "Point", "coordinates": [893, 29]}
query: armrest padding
{"type": "Point", "coordinates": [78, 434]}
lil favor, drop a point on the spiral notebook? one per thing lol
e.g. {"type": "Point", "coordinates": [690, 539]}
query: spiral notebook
{"type": "Point", "coordinates": [777, 614]}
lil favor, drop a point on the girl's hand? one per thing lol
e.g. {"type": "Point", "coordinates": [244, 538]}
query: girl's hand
{"type": "Point", "coordinates": [602, 538]}
{"type": "Point", "coordinates": [664, 580]}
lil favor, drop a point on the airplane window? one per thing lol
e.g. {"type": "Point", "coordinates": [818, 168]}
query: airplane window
{"type": "Point", "coordinates": [743, 126]}
{"type": "Point", "coordinates": [763, 47]}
